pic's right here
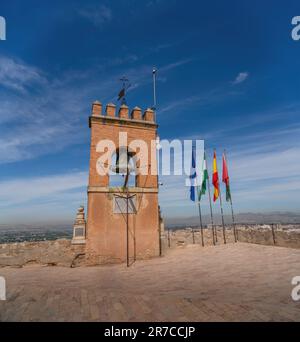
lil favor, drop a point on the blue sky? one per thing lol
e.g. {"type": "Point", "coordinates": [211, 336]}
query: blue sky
{"type": "Point", "coordinates": [228, 73]}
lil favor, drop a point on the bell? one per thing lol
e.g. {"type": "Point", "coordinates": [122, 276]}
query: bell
{"type": "Point", "coordinates": [123, 162]}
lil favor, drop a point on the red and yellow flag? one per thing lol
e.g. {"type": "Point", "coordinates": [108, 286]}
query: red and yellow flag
{"type": "Point", "coordinates": [225, 179]}
{"type": "Point", "coordinates": [215, 178]}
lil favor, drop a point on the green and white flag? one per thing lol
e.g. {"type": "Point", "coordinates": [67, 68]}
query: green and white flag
{"type": "Point", "coordinates": [202, 189]}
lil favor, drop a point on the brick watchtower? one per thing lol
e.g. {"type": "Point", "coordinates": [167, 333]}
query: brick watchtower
{"type": "Point", "coordinates": [113, 236]}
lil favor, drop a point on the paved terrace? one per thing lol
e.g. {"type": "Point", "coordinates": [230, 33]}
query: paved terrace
{"type": "Point", "coordinates": [240, 282]}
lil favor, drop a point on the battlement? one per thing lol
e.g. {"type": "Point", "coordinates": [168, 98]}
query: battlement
{"type": "Point", "coordinates": [136, 115]}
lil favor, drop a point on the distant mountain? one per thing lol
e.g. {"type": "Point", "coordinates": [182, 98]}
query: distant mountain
{"type": "Point", "coordinates": [259, 218]}
{"type": "Point", "coordinates": [36, 227]}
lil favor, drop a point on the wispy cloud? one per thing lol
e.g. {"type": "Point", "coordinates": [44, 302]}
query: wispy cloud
{"type": "Point", "coordinates": [258, 174]}
{"type": "Point", "coordinates": [258, 125]}
{"type": "Point", "coordinates": [153, 3]}
{"type": "Point", "coordinates": [210, 97]}
{"type": "Point", "coordinates": [263, 166]}
{"type": "Point", "coordinates": [23, 190]}
{"type": "Point", "coordinates": [175, 65]}
{"type": "Point", "coordinates": [18, 76]}
{"type": "Point", "coordinates": [98, 15]}
{"type": "Point", "coordinates": [160, 47]}
{"type": "Point", "coordinates": [141, 76]}
{"type": "Point", "coordinates": [51, 199]}
{"type": "Point", "coordinates": [241, 77]}
{"type": "Point", "coordinates": [259, 182]}
{"type": "Point", "coordinates": [43, 120]}
{"type": "Point", "coordinates": [53, 116]}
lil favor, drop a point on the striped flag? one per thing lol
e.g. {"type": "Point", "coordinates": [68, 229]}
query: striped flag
{"type": "Point", "coordinates": [202, 189]}
{"type": "Point", "coordinates": [225, 179]}
{"type": "Point", "coordinates": [215, 178]}
{"type": "Point", "coordinates": [193, 178]}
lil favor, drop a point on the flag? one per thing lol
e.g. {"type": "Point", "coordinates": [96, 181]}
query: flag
{"type": "Point", "coordinates": [226, 179]}
{"type": "Point", "coordinates": [121, 94]}
{"type": "Point", "coordinates": [202, 189]}
{"type": "Point", "coordinates": [215, 177]}
{"type": "Point", "coordinates": [193, 178]}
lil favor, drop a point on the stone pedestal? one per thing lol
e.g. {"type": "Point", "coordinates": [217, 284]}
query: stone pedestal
{"type": "Point", "coordinates": [79, 231]}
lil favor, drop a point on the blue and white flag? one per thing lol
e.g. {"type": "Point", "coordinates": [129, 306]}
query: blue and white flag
{"type": "Point", "coordinates": [193, 177]}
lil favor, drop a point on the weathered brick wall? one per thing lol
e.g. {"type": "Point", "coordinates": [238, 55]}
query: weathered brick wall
{"type": "Point", "coordinates": [50, 253]}
{"type": "Point", "coordinates": [106, 237]}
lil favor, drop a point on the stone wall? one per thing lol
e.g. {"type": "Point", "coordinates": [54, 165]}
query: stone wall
{"type": "Point", "coordinates": [183, 237]}
{"type": "Point", "coordinates": [278, 235]}
{"type": "Point", "coordinates": [63, 253]}
{"type": "Point", "coordinates": [48, 253]}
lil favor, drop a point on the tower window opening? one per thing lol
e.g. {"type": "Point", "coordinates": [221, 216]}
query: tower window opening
{"type": "Point", "coordinates": [123, 171]}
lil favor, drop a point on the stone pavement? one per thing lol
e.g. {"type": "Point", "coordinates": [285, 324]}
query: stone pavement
{"type": "Point", "coordinates": [240, 282]}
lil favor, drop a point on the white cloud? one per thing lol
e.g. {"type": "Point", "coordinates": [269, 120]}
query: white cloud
{"type": "Point", "coordinates": [18, 76]}
{"type": "Point", "coordinates": [259, 179]}
{"type": "Point", "coordinates": [98, 15]}
{"type": "Point", "coordinates": [40, 123]}
{"type": "Point", "coordinates": [207, 98]}
{"type": "Point", "coordinates": [266, 166]}
{"type": "Point", "coordinates": [54, 116]}
{"type": "Point", "coordinates": [22, 145]}
{"type": "Point", "coordinates": [175, 65]}
{"type": "Point", "coordinates": [56, 187]}
{"type": "Point", "coordinates": [241, 77]}
{"type": "Point", "coordinates": [258, 182]}
{"type": "Point", "coordinates": [263, 166]}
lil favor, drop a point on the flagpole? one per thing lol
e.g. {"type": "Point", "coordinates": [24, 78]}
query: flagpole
{"type": "Point", "coordinates": [154, 71]}
{"type": "Point", "coordinates": [201, 224]}
{"type": "Point", "coordinates": [211, 212]}
{"type": "Point", "coordinates": [154, 108]}
{"type": "Point", "coordinates": [220, 197]}
{"type": "Point", "coordinates": [236, 238]}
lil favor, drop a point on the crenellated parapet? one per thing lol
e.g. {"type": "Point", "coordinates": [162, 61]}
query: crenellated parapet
{"type": "Point", "coordinates": [123, 113]}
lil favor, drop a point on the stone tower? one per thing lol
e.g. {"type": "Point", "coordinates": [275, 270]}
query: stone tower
{"type": "Point", "coordinates": [122, 221]}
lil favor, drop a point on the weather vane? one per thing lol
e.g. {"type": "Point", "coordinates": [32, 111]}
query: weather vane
{"type": "Point", "coordinates": [125, 86]}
